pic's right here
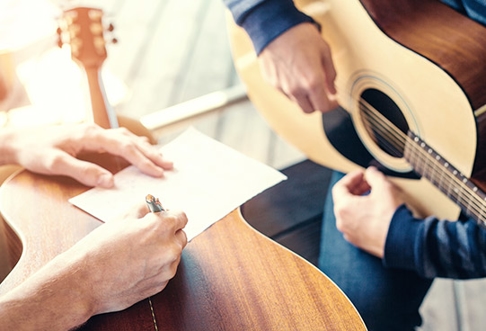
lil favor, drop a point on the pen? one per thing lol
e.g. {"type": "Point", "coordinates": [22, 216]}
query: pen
{"type": "Point", "coordinates": [153, 203]}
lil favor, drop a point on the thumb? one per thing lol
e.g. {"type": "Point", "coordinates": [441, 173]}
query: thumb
{"type": "Point", "coordinates": [374, 177]}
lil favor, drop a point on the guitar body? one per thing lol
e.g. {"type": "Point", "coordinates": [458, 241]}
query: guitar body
{"type": "Point", "coordinates": [230, 276]}
{"type": "Point", "coordinates": [408, 61]}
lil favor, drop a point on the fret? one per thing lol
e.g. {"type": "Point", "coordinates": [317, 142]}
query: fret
{"type": "Point", "coordinates": [449, 180]}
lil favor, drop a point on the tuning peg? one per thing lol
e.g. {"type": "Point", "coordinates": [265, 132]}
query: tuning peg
{"type": "Point", "coordinates": [59, 37]}
{"type": "Point", "coordinates": [111, 27]}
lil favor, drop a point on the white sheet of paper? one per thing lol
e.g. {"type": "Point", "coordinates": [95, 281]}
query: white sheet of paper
{"type": "Point", "coordinates": [209, 180]}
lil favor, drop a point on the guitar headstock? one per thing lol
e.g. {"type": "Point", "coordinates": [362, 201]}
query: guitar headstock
{"type": "Point", "coordinates": [82, 28]}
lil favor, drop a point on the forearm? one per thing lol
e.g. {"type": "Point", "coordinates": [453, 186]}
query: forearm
{"type": "Point", "coordinates": [265, 20]}
{"type": "Point", "coordinates": [55, 298]}
{"type": "Point", "coordinates": [436, 248]}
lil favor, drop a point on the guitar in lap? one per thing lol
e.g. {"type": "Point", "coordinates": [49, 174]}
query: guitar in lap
{"type": "Point", "coordinates": [412, 94]}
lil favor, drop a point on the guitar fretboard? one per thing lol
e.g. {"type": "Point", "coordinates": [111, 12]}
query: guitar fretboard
{"type": "Point", "coordinates": [429, 164]}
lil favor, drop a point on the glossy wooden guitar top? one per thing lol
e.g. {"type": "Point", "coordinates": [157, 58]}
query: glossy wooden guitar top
{"type": "Point", "coordinates": [230, 277]}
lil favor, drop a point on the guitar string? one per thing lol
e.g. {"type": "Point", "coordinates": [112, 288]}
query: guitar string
{"type": "Point", "coordinates": [392, 141]}
{"type": "Point", "coordinates": [468, 205]}
{"type": "Point", "coordinates": [420, 151]}
{"type": "Point", "coordinates": [387, 144]}
{"type": "Point", "coordinates": [477, 206]}
{"type": "Point", "coordinates": [397, 139]}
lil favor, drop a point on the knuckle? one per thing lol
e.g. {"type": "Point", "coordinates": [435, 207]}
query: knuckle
{"type": "Point", "coordinates": [297, 91]}
{"type": "Point", "coordinates": [129, 147]}
{"type": "Point", "coordinates": [123, 131]}
{"type": "Point", "coordinates": [55, 162]}
{"type": "Point", "coordinates": [183, 217]}
{"type": "Point", "coordinates": [90, 129]}
{"type": "Point", "coordinates": [175, 252]}
{"type": "Point", "coordinates": [314, 84]}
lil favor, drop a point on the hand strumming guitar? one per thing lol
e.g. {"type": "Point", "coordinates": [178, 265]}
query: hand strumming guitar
{"type": "Point", "coordinates": [364, 204]}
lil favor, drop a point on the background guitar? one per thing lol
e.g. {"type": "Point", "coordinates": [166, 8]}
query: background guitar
{"type": "Point", "coordinates": [84, 30]}
{"type": "Point", "coordinates": [401, 67]}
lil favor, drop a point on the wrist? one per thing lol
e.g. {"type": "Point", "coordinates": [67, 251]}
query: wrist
{"type": "Point", "coordinates": [57, 297]}
{"type": "Point", "coordinates": [403, 234]}
{"type": "Point", "coordinates": [269, 20]}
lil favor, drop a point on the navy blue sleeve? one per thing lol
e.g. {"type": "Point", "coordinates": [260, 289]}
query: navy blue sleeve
{"type": "Point", "coordinates": [265, 20]}
{"type": "Point", "coordinates": [436, 248]}
{"type": "Point", "coordinates": [474, 9]}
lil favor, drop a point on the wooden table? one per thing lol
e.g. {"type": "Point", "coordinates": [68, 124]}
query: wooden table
{"type": "Point", "coordinates": [230, 277]}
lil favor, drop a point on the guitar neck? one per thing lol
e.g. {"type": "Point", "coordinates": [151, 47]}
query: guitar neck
{"type": "Point", "coordinates": [460, 189]}
{"type": "Point", "coordinates": [103, 113]}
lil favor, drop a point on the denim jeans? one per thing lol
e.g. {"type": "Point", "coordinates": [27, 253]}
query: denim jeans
{"type": "Point", "coordinates": [387, 299]}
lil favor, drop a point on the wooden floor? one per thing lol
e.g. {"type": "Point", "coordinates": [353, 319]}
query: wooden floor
{"type": "Point", "coordinates": [173, 51]}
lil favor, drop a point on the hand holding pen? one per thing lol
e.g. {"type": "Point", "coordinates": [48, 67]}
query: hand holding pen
{"type": "Point", "coordinates": [153, 203]}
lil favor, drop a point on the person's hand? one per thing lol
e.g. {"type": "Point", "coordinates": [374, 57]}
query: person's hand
{"type": "Point", "coordinates": [52, 150]}
{"type": "Point", "coordinates": [364, 204]}
{"type": "Point", "coordinates": [115, 266]}
{"type": "Point", "coordinates": [131, 259]}
{"type": "Point", "coordinates": [299, 64]}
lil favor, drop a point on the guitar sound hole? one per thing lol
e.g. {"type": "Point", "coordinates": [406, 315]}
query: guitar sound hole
{"type": "Point", "coordinates": [384, 122]}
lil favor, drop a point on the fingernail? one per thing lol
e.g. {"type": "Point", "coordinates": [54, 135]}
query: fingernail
{"type": "Point", "coordinates": [105, 180]}
{"type": "Point", "coordinates": [168, 165]}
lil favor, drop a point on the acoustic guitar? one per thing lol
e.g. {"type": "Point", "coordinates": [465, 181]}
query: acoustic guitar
{"type": "Point", "coordinates": [412, 93]}
{"type": "Point", "coordinates": [230, 277]}
{"type": "Point", "coordinates": [83, 28]}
